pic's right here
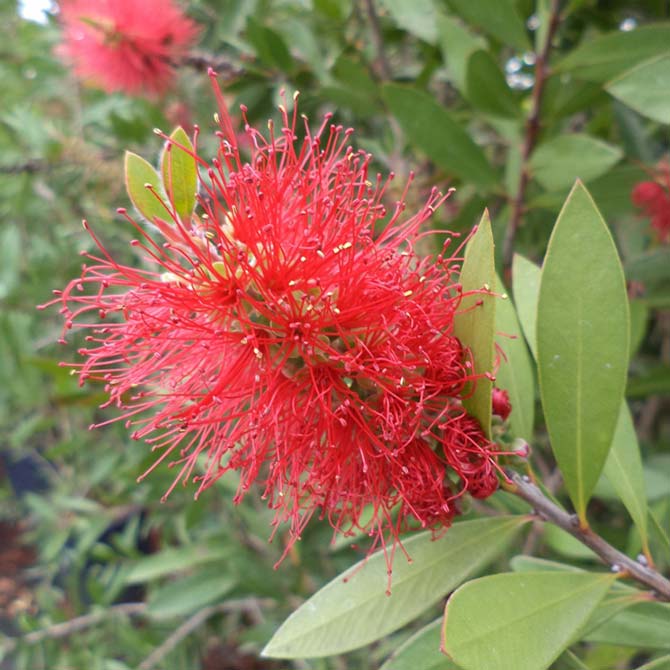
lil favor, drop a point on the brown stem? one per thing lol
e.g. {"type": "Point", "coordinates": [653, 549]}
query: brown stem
{"type": "Point", "coordinates": [531, 133]}
{"type": "Point", "coordinates": [546, 510]}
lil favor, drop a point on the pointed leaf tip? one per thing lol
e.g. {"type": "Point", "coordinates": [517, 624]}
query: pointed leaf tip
{"type": "Point", "coordinates": [582, 343]}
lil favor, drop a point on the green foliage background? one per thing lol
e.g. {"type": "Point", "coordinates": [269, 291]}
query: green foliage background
{"type": "Point", "coordinates": [443, 87]}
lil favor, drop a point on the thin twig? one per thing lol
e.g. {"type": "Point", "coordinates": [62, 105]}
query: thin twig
{"type": "Point", "coordinates": [378, 41]}
{"type": "Point", "coordinates": [222, 66]}
{"type": "Point", "coordinates": [29, 167]}
{"type": "Point", "coordinates": [67, 628]}
{"type": "Point", "coordinates": [249, 606]}
{"type": "Point", "coordinates": [531, 134]}
{"type": "Point", "coordinates": [548, 511]}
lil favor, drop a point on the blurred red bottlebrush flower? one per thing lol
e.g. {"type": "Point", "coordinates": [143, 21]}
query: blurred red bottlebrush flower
{"type": "Point", "coordinates": [124, 45]}
{"type": "Point", "coordinates": [500, 403]}
{"type": "Point", "coordinates": [653, 198]}
{"type": "Point", "coordinates": [292, 333]}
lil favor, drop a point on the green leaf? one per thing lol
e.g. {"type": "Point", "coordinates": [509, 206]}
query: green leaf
{"type": "Point", "coordinates": [140, 175]}
{"type": "Point", "coordinates": [474, 325]}
{"type": "Point", "coordinates": [650, 266]}
{"type": "Point", "coordinates": [655, 381]}
{"type": "Point", "coordinates": [433, 130]}
{"type": "Point", "coordinates": [515, 374]}
{"type": "Point", "coordinates": [173, 560]}
{"type": "Point", "coordinates": [421, 652]}
{"type": "Point", "coordinates": [269, 46]}
{"type": "Point", "coordinates": [486, 87]}
{"type": "Point", "coordinates": [566, 545]}
{"type": "Point", "coordinates": [418, 17]}
{"type": "Point", "coordinates": [354, 609]}
{"type": "Point", "coordinates": [556, 162]}
{"type": "Point", "coordinates": [658, 533]}
{"type": "Point", "coordinates": [180, 175]}
{"type": "Point", "coordinates": [624, 470]}
{"type": "Point", "coordinates": [570, 661]}
{"type": "Point", "coordinates": [526, 285]}
{"type": "Point", "coordinates": [644, 626]}
{"type": "Point", "coordinates": [186, 595]}
{"type": "Point", "coordinates": [519, 621]}
{"type": "Point", "coordinates": [620, 596]}
{"type": "Point", "coordinates": [662, 663]}
{"type": "Point", "coordinates": [582, 343]}
{"type": "Point", "coordinates": [498, 18]}
{"type": "Point", "coordinates": [639, 319]}
{"type": "Point", "coordinates": [645, 88]}
{"type": "Point", "coordinates": [602, 58]}
{"type": "Point", "coordinates": [457, 42]}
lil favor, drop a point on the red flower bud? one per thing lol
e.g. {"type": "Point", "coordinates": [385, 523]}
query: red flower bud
{"type": "Point", "coordinates": [500, 403]}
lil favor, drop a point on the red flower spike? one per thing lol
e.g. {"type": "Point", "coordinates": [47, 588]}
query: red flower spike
{"type": "Point", "coordinates": [292, 333]}
{"type": "Point", "coordinates": [124, 45]}
{"type": "Point", "coordinates": [653, 198]}
{"type": "Point", "coordinates": [501, 404]}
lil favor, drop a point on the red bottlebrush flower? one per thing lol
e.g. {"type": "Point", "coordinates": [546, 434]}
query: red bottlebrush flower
{"type": "Point", "coordinates": [501, 404]}
{"type": "Point", "coordinates": [653, 198]}
{"type": "Point", "coordinates": [292, 333]}
{"type": "Point", "coordinates": [123, 45]}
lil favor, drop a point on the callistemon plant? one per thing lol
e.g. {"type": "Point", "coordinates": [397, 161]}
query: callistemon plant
{"type": "Point", "coordinates": [124, 45]}
{"type": "Point", "coordinates": [283, 325]}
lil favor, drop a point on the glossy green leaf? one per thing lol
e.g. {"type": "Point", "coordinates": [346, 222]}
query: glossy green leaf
{"type": "Point", "coordinates": [582, 343]}
{"type": "Point", "coordinates": [421, 652]}
{"type": "Point", "coordinates": [498, 18]}
{"type": "Point", "coordinates": [645, 88]}
{"type": "Point", "coordinates": [624, 470]}
{"type": "Point", "coordinates": [145, 188]}
{"type": "Point", "coordinates": [519, 621]}
{"type": "Point", "coordinates": [354, 609]}
{"type": "Point", "coordinates": [191, 593]}
{"type": "Point", "coordinates": [556, 162]}
{"type": "Point", "coordinates": [526, 286]}
{"type": "Point", "coordinates": [180, 175]}
{"type": "Point", "coordinates": [433, 130]}
{"type": "Point", "coordinates": [418, 17]}
{"type": "Point", "coordinates": [662, 663]}
{"type": "Point", "coordinates": [474, 324]}
{"type": "Point", "coordinates": [486, 87]}
{"type": "Point", "coordinates": [515, 374]}
{"type": "Point", "coordinates": [604, 57]}
{"type": "Point", "coordinates": [172, 560]}
{"type": "Point", "coordinates": [646, 626]}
